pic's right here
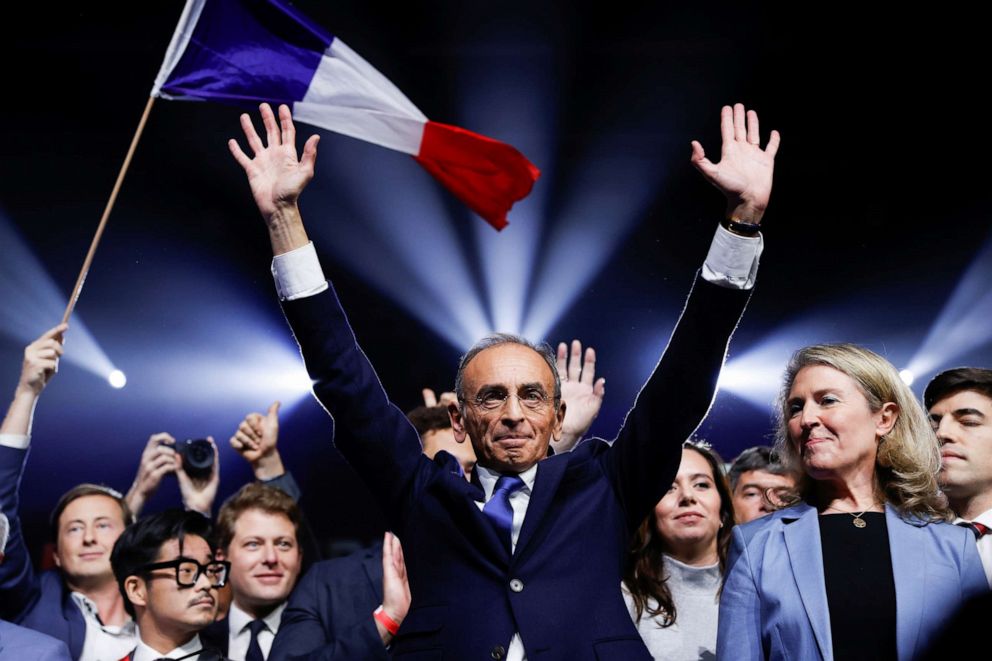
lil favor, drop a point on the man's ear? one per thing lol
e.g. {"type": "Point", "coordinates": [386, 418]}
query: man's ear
{"type": "Point", "coordinates": [220, 555]}
{"type": "Point", "coordinates": [136, 590]}
{"type": "Point", "coordinates": [559, 421]}
{"type": "Point", "coordinates": [457, 422]}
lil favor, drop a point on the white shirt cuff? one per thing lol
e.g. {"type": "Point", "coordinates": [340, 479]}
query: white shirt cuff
{"type": "Point", "coordinates": [298, 273]}
{"type": "Point", "coordinates": [16, 441]}
{"type": "Point", "coordinates": [733, 259]}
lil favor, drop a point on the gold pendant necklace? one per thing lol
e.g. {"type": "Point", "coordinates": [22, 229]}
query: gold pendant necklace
{"type": "Point", "coordinates": [858, 521]}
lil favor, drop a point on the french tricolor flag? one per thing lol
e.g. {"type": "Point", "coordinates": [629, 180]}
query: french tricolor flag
{"type": "Point", "coordinates": [244, 52]}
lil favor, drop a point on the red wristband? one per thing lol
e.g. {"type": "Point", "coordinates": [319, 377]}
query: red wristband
{"type": "Point", "coordinates": [391, 625]}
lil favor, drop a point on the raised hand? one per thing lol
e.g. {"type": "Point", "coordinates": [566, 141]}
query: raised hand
{"type": "Point", "coordinates": [275, 174]}
{"type": "Point", "coordinates": [255, 439]}
{"type": "Point", "coordinates": [41, 360]}
{"type": "Point", "coordinates": [431, 400]}
{"type": "Point", "coordinates": [395, 586]}
{"type": "Point", "coordinates": [157, 460]}
{"type": "Point", "coordinates": [744, 173]}
{"type": "Point", "coordinates": [581, 392]}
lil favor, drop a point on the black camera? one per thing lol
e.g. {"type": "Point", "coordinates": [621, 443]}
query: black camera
{"type": "Point", "coordinates": [198, 457]}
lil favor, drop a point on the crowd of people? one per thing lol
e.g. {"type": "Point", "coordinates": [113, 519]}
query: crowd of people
{"type": "Point", "coordinates": [512, 535]}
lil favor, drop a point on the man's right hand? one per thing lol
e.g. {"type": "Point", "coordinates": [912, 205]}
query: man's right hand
{"type": "Point", "coordinates": [41, 361]}
{"type": "Point", "coordinates": [276, 175]}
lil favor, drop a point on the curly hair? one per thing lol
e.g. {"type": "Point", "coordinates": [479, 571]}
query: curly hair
{"type": "Point", "coordinates": [644, 572]}
{"type": "Point", "coordinates": [908, 457]}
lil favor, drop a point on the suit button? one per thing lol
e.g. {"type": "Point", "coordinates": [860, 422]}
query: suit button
{"type": "Point", "coordinates": [497, 652]}
{"type": "Point", "coordinates": [517, 585]}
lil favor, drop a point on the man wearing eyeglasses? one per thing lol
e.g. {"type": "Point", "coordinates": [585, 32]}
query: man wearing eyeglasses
{"type": "Point", "coordinates": [524, 561]}
{"type": "Point", "coordinates": [167, 574]}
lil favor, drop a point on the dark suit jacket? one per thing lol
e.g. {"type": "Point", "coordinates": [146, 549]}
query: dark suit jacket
{"type": "Point", "coordinates": [39, 602]}
{"type": "Point", "coordinates": [561, 588]}
{"type": "Point", "coordinates": [18, 643]}
{"type": "Point", "coordinates": [329, 615]}
{"type": "Point", "coordinates": [217, 635]}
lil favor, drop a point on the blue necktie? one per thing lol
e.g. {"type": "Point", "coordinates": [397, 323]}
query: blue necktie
{"type": "Point", "coordinates": [254, 652]}
{"type": "Point", "coordinates": [498, 508]}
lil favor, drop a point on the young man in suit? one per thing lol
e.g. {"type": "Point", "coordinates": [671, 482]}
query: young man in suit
{"type": "Point", "coordinates": [168, 576]}
{"type": "Point", "coordinates": [960, 405]}
{"type": "Point", "coordinates": [525, 560]}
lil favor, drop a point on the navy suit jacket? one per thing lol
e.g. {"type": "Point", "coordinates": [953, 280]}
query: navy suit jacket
{"type": "Point", "coordinates": [329, 615]}
{"type": "Point", "coordinates": [18, 643]}
{"type": "Point", "coordinates": [39, 602]}
{"type": "Point", "coordinates": [560, 589]}
{"type": "Point", "coordinates": [774, 600]}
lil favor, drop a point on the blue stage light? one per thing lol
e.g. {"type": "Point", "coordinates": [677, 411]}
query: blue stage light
{"type": "Point", "coordinates": [31, 303]}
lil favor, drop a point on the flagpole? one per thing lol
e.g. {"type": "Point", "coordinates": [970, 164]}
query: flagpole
{"type": "Point", "coordinates": [106, 212]}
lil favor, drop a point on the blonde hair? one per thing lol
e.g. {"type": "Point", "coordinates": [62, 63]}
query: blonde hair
{"type": "Point", "coordinates": [908, 457]}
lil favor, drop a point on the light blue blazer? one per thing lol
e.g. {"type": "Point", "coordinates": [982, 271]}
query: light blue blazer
{"type": "Point", "coordinates": [774, 600]}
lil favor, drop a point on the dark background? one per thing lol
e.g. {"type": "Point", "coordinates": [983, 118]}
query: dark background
{"type": "Point", "coordinates": [879, 206]}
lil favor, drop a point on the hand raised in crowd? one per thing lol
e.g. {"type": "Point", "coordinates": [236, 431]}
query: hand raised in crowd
{"type": "Point", "coordinates": [276, 175]}
{"type": "Point", "coordinates": [395, 586]}
{"type": "Point", "coordinates": [198, 494]}
{"type": "Point", "coordinates": [744, 173]}
{"type": "Point", "coordinates": [41, 360]}
{"type": "Point", "coordinates": [431, 400]}
{"type": "Point", "coordinates": [158, 459]}
{"type": "Point", "coordinates": [256, 439]}
{"type": "Point", "coordinates": [581, 392]}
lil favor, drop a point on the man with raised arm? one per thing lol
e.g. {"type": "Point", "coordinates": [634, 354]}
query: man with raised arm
{"type": "Point", "coordinates": [525, 560]}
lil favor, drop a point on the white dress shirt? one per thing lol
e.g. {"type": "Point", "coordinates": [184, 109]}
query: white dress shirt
{"type": "Point", "coordinates": [732, 262]}
{"type": "Point", "coordinates": [103, 642]}
{"type": "Point", "coordinates": [985, 543]}
{"type": "Point", "coordinates": [239, 635]}
{"type": "Point", "coordinates": [188, 652]}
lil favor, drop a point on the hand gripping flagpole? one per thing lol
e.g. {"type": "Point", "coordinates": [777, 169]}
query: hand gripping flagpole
{"type": "Point", "coordinates": [106, 212]}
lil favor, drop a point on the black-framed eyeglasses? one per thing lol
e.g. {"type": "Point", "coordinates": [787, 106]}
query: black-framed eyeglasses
{"type": "Point", "coordinates": [496, 398]}
{"type": "Point", "coordinates": [188, 571]}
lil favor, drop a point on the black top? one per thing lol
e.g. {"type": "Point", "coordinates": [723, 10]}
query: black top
{"type": "Point", "coordinates": [861, 593]}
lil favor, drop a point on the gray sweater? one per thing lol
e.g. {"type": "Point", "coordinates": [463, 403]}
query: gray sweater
{"type": "Point", "coordinates": [696, 593]}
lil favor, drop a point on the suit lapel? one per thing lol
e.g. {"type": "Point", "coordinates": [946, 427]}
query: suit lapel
{"type": "Point", "coordinates": [460, 500]}
{"type": "Point", "coordinates": [802, 539]}
{"type": "Point", "coordinates": [907, 544]}
{"type": "Point", "coordinates": [549, 474]}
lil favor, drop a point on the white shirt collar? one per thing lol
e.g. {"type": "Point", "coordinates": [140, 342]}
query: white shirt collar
{"type": "Point", "coordinates": [238, 619]}
{"type": "Point", "coordinates": [985, 518]}
{"type": "Point", "coordinates": [487, 478]}
{"type": "Point", "coordinates": [144, 653]}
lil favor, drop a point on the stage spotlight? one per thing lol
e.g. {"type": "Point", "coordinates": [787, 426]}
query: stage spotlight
{"type": "Point", "coordinates": [963, 324]}
{"type": "Point", "coordinates": [30, 303]}
{"type": "Point", "coordinates": [906, 376]}
{"type": "Point", "coordinates": [388, 223]}
{"type": "Point", "coordinates": [117, 379]}
{"type": "Point", "coordinates": [506, 91]}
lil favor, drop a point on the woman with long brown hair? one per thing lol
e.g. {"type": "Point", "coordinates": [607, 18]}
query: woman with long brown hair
{"type": "Point", "coordinates": [675, 568]}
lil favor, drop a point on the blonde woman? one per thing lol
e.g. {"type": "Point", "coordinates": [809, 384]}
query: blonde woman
{"type": "Point", "coordinates": [865, 565]}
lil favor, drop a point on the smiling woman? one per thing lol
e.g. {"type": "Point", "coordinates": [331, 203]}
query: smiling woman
{"type": "Point", "coordinates": [675, 567]}
{"type": "Point", "coordinates": [870, 528]}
